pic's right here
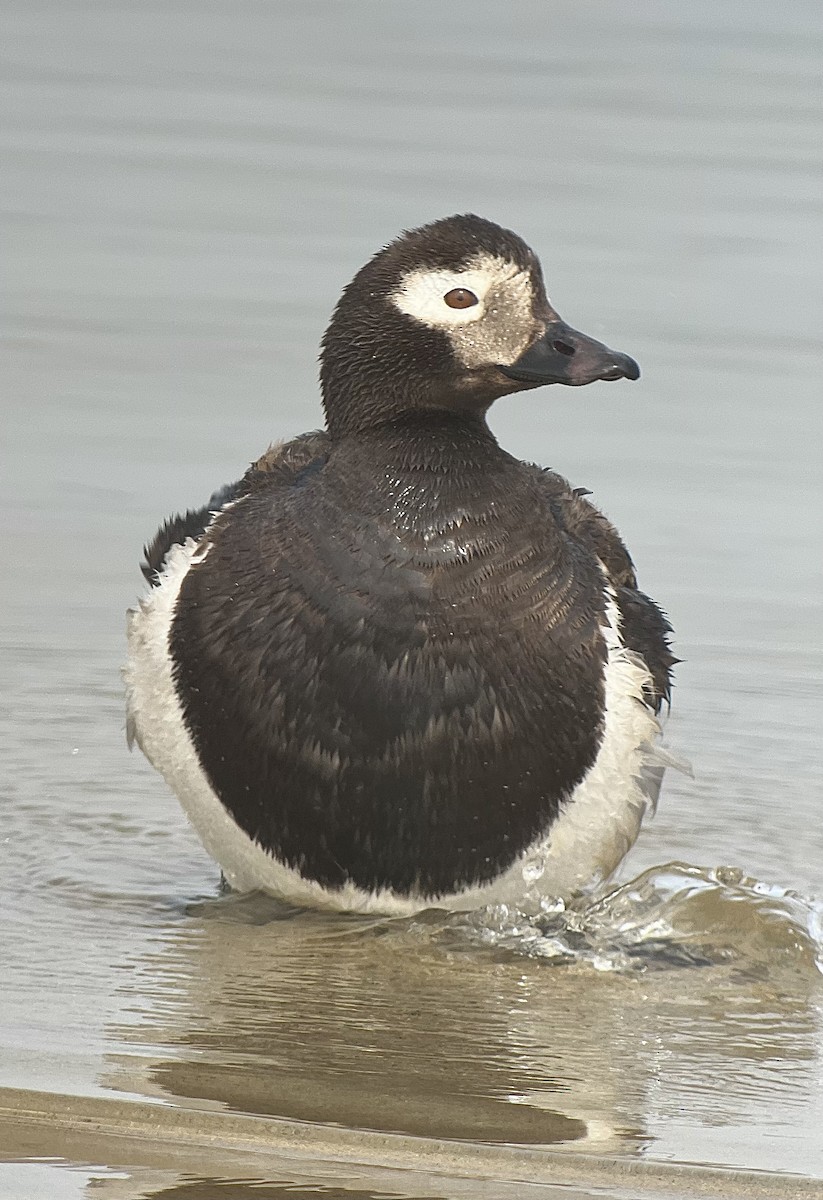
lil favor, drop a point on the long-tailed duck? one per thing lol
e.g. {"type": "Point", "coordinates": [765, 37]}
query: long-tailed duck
{"type": "Point", "coordinates": [393, 666]}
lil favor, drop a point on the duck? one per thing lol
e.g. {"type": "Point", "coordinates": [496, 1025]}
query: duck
{"type": "Point", "coordinates": [393, 667]}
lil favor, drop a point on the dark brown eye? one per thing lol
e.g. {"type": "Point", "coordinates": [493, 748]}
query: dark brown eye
{"type": "Point", "coordinates": [460, 298]}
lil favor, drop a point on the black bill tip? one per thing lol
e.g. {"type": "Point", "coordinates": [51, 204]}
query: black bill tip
{"type": "Point", "coordinates": [564, 355]}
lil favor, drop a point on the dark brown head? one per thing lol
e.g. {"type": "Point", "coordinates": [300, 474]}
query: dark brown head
{"type": "Point", "coordinates": [450, 316]}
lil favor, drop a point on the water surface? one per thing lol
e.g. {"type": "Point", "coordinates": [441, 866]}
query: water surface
{"type": "Point", "coordinates": [185, 191]}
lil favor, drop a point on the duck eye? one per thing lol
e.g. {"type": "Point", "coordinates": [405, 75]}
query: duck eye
{"type": "Point", "coordinates": [460, 298]}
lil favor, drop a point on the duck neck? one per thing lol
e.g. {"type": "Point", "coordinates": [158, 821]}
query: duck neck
{"type": "Point", "coordinates": [361, 394]}
{"type": "Point", "coordinates": [432, 440]}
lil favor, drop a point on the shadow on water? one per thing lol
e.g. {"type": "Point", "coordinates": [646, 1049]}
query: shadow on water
{"type": "Point", "coordinates": [296, 1181]}
{"type": "Point", "coordinates": [258, 1189]}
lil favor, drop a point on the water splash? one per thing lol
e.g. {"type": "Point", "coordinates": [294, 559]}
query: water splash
{"type": "Point", "coordinates": [671, 916]}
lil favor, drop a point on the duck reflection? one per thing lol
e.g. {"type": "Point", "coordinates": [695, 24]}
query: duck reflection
{"type": "Point", "coordinates": [377, 1025]}
{"type": "Point", "coordinates": [403, 1026]}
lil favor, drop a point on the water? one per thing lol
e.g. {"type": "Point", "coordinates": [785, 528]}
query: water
{"type": "Point", "coordinates": [185, 192]}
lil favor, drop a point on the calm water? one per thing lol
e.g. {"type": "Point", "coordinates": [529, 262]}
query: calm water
{"type": "Point", "coordinates": [185, 191]}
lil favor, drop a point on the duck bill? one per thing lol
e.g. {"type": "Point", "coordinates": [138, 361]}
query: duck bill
{"type": "Point", "coordinates": [562, 355]}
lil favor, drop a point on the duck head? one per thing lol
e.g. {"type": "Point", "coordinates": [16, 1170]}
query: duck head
{"type": "Point", "coordinates": [451, 316]}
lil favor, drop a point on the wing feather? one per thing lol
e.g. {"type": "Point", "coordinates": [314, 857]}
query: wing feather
{"type": "Point", "coordinates": [644, 625]}
{"type": "Point", "coordinates": [284, 458]}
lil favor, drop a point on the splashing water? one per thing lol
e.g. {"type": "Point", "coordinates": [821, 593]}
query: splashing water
{"type": "Point", "coordinates": [670, 916]}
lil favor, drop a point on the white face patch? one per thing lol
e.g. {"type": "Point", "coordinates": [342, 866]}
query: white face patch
{"type": "Point", "coordinates": [422, 293]}
{"type": "Point", "coordinates": [495, 330]}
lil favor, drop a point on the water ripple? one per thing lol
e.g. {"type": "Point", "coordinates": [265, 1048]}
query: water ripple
{"type": "Point", "coordinates": [670, 916]}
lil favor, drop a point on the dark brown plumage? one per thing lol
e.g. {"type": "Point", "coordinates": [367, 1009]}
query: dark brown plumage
{"type": "Point", "coordinates": [390, 661]}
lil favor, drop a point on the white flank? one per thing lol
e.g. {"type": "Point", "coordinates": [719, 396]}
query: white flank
{"type": "Point", "coordinates": [600, 822]}
{"type": "Point", "coordinates": [596, 828]}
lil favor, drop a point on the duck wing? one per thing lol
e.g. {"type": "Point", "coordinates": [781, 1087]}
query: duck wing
{"type": "Point", "coordinates": [644, 626]}
{"type": "Point", "coordinates": [283, 458]}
